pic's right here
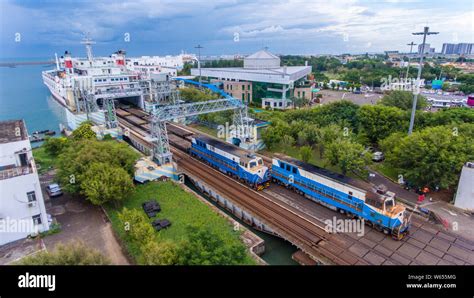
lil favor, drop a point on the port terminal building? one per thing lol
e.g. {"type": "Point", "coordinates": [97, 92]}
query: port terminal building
{"type": "Point", "coordinates": [262, 78]}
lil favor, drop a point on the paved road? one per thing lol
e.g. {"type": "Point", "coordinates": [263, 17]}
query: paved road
{"type": "Point", "coordinates": [453, 219]}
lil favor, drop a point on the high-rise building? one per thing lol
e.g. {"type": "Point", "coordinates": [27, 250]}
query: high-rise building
{"type": "Point", "coordinates": [459, 49]}
{"type": "Point", "coordinates": [426, 50]}
{"type": "Point", "coordinates": [22, 210]}
{"type": "Point", "coordinates": [464, 48]}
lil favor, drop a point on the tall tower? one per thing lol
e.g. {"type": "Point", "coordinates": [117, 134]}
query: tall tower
{"type": "Point", "coordinates": [88, 42]}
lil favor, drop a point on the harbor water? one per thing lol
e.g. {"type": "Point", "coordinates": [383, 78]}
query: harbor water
{"type": "Point", "coordinates": [24, 96]}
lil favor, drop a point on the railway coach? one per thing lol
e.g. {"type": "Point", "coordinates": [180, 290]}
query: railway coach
{"type": "Point", "coordinates": [231, 160]}
{"type": "Point", "coordinates": [350, 196]}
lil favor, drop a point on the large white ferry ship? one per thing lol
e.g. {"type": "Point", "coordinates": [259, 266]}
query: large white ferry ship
{"type": "Point", "coordinates": [83, 86]}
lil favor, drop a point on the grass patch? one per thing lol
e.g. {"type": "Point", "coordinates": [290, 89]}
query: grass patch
{"type": "Point", "coordinates": [43, 160]}
{"type": "Point", "coordinates": [181, 208]}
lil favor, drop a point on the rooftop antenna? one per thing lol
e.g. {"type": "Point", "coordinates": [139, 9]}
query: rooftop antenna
{"type": "Point", "coordinates": [88, 42]}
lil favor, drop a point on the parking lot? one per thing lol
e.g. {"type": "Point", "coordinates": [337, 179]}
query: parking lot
{"type": "Point", "coordinates": [359, 99]}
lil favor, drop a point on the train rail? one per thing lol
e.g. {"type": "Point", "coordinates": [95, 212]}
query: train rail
{"type": "Point", "coordinates": [300, 221]}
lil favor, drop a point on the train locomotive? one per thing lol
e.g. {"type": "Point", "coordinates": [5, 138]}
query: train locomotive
{"type": "Point", "coordinates": [353, 197]}
{"type": "Point", "coordinates": [231, 160]}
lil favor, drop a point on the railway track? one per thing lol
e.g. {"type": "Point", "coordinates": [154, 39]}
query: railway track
{"type": "Point", "coordinates": [302, 226]}
{"type": "Point", "coordinates": [310, 236]}
{"type": "Point", "coordinates": [289, 223]}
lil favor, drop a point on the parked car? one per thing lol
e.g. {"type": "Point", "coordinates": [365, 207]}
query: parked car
{"type": "Point", "coordinates": [54, 190]}
{"type": "Point", "coordinates": [378, 156]}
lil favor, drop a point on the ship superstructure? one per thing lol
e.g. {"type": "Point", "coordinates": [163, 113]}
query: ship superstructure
{"type": "Point", "coordinates": [88, 88]}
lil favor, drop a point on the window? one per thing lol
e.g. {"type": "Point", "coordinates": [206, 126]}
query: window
{"type": "Point", "coordinates": [248, 97]}
{"type": "Point", "coordinates": [253, 164]}
{"type": "Point", "coordinates": [243, 96]}
{"type": "Point", "coordinates": [293, 169]}
{"type": "Point", "coordinates": [303, 93]}
{"type": "Point", "coordinates": [288, 168]}
{"type": "Point", "coordinates": [37, 219]}
{"type": "Point", "coordinates": [243, 87]}
{"type": "Point", "coordinates": [282, 165]}
{"type": "Point", "coordinates": [31, 196]}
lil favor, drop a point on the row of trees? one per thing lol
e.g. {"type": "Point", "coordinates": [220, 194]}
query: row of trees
{"type": "Point", "coordinates": [341, 130]}
{"type": "Point", "coordinates": [201, 245]}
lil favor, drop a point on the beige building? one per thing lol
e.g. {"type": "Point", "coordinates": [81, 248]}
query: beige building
{"type": "Point", "coordinates": [303, 92]}
{"type": "Point", "coordinates": [238, 89]}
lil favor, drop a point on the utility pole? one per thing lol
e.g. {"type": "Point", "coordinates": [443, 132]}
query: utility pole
{"type": "Point", "coordinates": [411, 51]}
{"type": "Point", "coordinates": [420, 66]}
{"type": "Point", "coordinates": [199, 47]}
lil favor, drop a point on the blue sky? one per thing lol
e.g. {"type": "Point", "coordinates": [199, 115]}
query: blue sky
{"type": "Point", "coordinates": [166, 27]}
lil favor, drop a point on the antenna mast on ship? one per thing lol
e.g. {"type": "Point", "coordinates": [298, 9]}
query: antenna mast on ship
{"type": "Point", "coordinates": [88, 42]}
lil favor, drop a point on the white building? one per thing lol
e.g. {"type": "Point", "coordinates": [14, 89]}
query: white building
{"type": "Point", "coordinates": [22, 210]}
{"type": "Point", "coordinates": [465, 194]}
{"type": "Point", "coordinates": [264, 72]}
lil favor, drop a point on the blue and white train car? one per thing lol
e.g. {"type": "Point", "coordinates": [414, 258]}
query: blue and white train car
{"type": "Point", "coordinates": [231, 160]}
{"type": "Point", "coordinates": [346, 195]}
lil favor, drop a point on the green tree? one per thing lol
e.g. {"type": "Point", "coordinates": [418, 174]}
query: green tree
{"type": "Point", "coordinates": [103, 182]}
{"type": "Point", "coordinates": [54, 146]}
{"type": "Point", "coordinates": [403, 100]}
{"type": "Point", "coordinates": [75, 160]}
{"type": "Point", "coordinates": [287, 142]}
{"type": "Point", "coordinates": [194, 94]}
{"type": "Point", "coordinates": [432, 156]}
{"type": "Point", "coordinates": [306, 152]}
{"type": "Point", "coordinates": [136, 226]}
{"type": "Point", "coordinates": [328, 135]}
{"type": "Point", "coordinates": [346, 155]}
{"type": "Point", "coordinates": [379, 121]}
{"type": "Point", "coordinates": [206, 247]}
{"type": "Point", "coordinates": [160, 252]}
{"type": "Point", "coordinates": [84, 131]}
{"type": "Point", "coordinates": [76, 253]}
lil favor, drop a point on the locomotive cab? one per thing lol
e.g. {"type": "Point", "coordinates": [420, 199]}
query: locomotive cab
{"type": "Point", "coordinates": [257, 167]}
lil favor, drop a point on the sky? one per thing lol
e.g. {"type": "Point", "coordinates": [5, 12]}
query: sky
{"type": "Point", "coordinates": [40, 28]}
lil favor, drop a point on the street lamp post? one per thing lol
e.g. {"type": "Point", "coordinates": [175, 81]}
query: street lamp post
{"type": "Point", "coordinates": [199, 47]}
{"type": "Point", "coordinates": [417, 90]}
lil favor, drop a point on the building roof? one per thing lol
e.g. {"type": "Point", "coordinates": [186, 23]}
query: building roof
{"type": "Point", "coordinates": [262, 54]}
{"type": "Point", "coordinates": [280, 75]}
{"type": "Point", "coordinates": [12, 131]}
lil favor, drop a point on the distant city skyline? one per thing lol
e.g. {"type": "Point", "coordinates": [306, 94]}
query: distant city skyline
{"type": "Point", "coordinates": [41, 28]}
